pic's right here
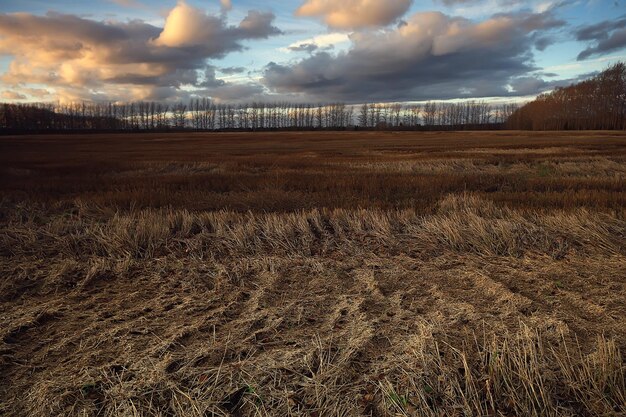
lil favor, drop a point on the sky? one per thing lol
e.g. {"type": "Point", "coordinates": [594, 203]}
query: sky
{"type": "Point", "coordinates": [319, 51]}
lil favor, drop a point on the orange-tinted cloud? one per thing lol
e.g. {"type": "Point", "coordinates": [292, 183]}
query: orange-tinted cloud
{"type": "Point", "coordinates": [86, 59]}
{"type": "Point", "coordinates": [184, 26]}
{"type": "Point", "coordinates": [355, 14]}
{"type": "Point", "coordinates": [226, 5]}
{"type": "Point", "coordinates": [129, 3]}
{"type": "Point", "coordinates": [12, 95]}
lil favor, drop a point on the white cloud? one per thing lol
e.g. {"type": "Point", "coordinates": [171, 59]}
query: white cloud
{"type": "Point", "coordinates": [321, 41]}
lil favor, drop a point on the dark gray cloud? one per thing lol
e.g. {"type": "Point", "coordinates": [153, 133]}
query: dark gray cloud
{"type": "Point", "coordinates": [542, 42]}
{"type": "Point", "coordinates": [232, 70]}
{"type": "Point", "coordinates": [432, 56]}
{"type": "Point", "coordinates": [210, 79]}
{"type": "Point", "coordinates": [599, 30]}
{"type": "Point", "coordinates": [257, 25]}
{"type": "Point", "coordinates": [605, 37]}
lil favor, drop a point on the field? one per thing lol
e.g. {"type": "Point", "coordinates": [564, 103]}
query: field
{"type": "Point", "coordinates": [313, 274]}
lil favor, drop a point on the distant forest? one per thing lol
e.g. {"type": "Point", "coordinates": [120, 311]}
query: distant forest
{"type": "Point", "coordinates": [206, 115]}
{"type": "Point", "coordinates": [598, 103]}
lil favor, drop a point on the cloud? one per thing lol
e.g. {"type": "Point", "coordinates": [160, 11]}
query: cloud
{"type": "Point", "coordinates": [87, 59]}
{"type": "Point", "coordinates": [538, 6]}
{"type": "Point", "coordinates": [129, 3]}
{"type": "Point", "coordinates": [26, 93]}
{"type": "Point", "coordinates": [456, 2]}
{"type": "Point", "coordinates": [615, 42]}
{"type": "Point", "coordinates": [432, 56]}
{"type": "Point", "coordinates": [304, 47]}
{"type": "Point", "coordinates": [232, 70]}
{"type": "Point", "coordinates": [323, 42]}
{"type": "Point", "coordinates": [187, 26]}
{"type": "Point", "coordinates": [40, 93]}
{"type": "Point", "coordinates": [480, 8]}
{"type": "Point", "coordinates": [257, 25]}
{"type": "Point", "coordinates": [210, 78]}
{"type": "Point", "coordinates": [12, 95]}
{"type": "Point", "coordinates": [232, 93]}
{"type": "Point", "coordinates": [604, 37]}
{"type": "Point", "coordinates": [355, 14]}
{"type": "Point", "coordinates": [227, 5]}
{"type": "Point", "coordinates": [599, 30]}
{"type": "Point", "coordinates": [224, 91]}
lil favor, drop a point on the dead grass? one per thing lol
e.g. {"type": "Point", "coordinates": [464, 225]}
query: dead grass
{"type": "Point", "coordinates": [518, 374]}
{"type": "Point", "coordinates": [464, 224]}
{"type": "Point", "coordinates": [288, 171]}
{"type": "Point", "coordinates": [329, 276]}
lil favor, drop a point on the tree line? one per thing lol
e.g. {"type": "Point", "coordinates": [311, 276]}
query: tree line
{"type": "Point", "coordinates": [598, 103]}
{"type": "Point", "coordinates": [203, 114]}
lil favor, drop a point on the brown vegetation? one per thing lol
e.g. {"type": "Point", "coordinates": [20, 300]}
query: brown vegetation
{"type": "Point", "coordinates": [291, 171]}
{"type": "Point", "coordinates": [594, 104]}
{"type": "Point", "coordinates": [474, 274]}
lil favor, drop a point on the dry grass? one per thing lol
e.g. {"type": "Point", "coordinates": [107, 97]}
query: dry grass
{"type": "Point", "coordinates": [328, 276]}
{"type": "Point", "coordinates": [461, 224]}
{"type": "Point", "coordinates": [303, 171]}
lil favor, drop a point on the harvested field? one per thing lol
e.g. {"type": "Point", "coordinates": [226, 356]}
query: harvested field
{"type": "Point", "coordinates": [313, 274]}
